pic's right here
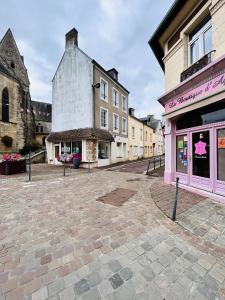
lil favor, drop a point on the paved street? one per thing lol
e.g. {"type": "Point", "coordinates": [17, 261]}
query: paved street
{"type": "Point", "coordinates": [57, 242]}
{"type": "Point", "coordinates": [139, 166]}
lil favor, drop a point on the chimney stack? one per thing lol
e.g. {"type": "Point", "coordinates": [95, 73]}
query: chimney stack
{"type": "Point", "coordinates": [72, 38]}
{"type": "Point", "coordinates": [131, 111]}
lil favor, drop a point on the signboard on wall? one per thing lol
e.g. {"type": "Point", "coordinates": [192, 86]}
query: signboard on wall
{"type": "Point", "coordinates": [199, 92]}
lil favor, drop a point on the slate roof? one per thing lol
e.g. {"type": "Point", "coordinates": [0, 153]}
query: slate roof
{"type": "Point", "coordinates": [42, 107]}
{"type": "Point", "coordinates": [80, 134]}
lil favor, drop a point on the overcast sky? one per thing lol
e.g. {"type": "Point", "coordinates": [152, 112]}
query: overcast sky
{"type": "Point", "coordinates": [113, 32]}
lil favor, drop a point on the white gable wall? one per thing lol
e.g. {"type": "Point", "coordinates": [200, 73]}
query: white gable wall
{"type": "Point", "coordinates": [72, 103]}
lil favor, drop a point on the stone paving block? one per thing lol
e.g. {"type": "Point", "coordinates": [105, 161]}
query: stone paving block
{"type": "Point", "coordinates": [81, 287]}
{"type": "Point", "coordinates": [146, 246]}
{"type": "Point", "coordinates": [67, 294]}
{"type": "Point", "coordinates": [131, 254]}
{"type": "Point", "coordinates": [176, 251]}
{"type": "Point", "coordinates": [205, 290]}
{"type": "Point", "coordinates": [143, 260]}
{"type": "Point", "coordinates": [83, 272]}
{"type": "Point", "coordinates": [71, 278]}
{"type": "Point", "coordinates": [192, 275]}
{"type": "Point", "coordinates": [190, 257]}
{"type": "Point", "coordinates": [105, 288]}
{"type": "Point", "coordinates": [55, 287]}
{"type": "Point", "coordinates": [93, 279]}
{"type": "Point", "coordinates": [152, 256]}
{"type": "Point", "coordinates": [147, 273]}
{"type": "Point", "coordinates": [199, 269]}
{"type": "Point", "coordinates": [139, 250]}
{"type": "Point", "coordinates": [142, 296]}
{"type": "Point", "coordinates": [115, 266]}
{"type": "Point", "coordinates": [116, 281]}
{"type": "Point", "coordinates": [41, 294]}
{"type": "Point", "coordinates": [105, 272]}
{"type": "Point", "coordinates": [92, 294]}
{"type": "Point", "coordinates": [126, 273]}
{"type": "Point", "coordinates": [157, 267]}
{"type": "Point", "coordinates": [124, 292]}
{"type": "Point", "coordinates": [211, 282]}
{"type": "Point", "coordinates": [216, 275]}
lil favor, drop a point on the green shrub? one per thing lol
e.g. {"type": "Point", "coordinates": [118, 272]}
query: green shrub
{"type": "Point", "coordinates": [29, 147]}
{"type": "Point", "coordinates": [7, 141]}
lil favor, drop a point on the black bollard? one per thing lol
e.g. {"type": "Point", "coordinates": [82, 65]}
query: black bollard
{"type": "Point", "coordinates": [89, 166]}
{"type": "Point", "coordinates": [175, 201]}
{"type": "Point", "coordinates": [29, 165]}
{"type": "Point", "coordinates": [148, 166]}
{"type": "Point", "coordinates": [154, 162]}
{"type": "Point", "coordinates": [64, 168]}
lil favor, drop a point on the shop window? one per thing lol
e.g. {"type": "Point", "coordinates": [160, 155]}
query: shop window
{"type": "Point", "coordinates": [181, 154]}
{"type": "Point", "coordinates": [65, 147]}
{"type": "Point", "coordinates": [5, 105]}
{"type": "Point", "coordinates": [77, 147]}
{"type": "Point", "coordinates": [200, 40]}
{"type": "Point", "coordinates": [221, 154]}
{"type": "Point", "coordinates": [103, 150]}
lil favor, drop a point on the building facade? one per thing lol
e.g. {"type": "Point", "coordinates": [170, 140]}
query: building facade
{"type": "Point", "coordinates": [16, 115]}
{"type": "Point", "coordinates": [89, 110]}
{"type": "Point", "coordinates": [190, 47]}
{"type": "Point", "coordinates": [43, 121]}
{"type": "Point", "coordinates": [158, 134]}
{"type": "Point", "coordinates": [140, 138]}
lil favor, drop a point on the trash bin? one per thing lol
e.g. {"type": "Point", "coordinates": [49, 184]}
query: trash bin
{"type": "Point", "coordinates": [76, 163]}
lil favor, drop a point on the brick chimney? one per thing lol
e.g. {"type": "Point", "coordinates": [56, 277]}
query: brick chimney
{"type": "Point", "coordinates": [72, 38]}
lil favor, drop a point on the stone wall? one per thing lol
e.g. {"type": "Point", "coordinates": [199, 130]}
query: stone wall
{"type": "Point", "coordinates": [91, 150]}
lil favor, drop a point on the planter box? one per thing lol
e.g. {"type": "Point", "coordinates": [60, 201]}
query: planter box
{"type": "Point", "coordinates": [12, 167]}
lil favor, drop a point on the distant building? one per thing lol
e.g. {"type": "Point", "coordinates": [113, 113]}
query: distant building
{"type": "Point", "coordinates": [89, 109]}
{"type": "Point", "coordinates": [140, 138]}
{"type": "Point", "coordinates": [16, 115]}
{"type": "Point", "coordinates": [158, 137]}
{"type": "Point", "coordinates": [43, 121]}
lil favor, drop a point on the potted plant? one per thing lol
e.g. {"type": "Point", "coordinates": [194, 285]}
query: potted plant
{"type": "Point", "coordinates": [12, 164]}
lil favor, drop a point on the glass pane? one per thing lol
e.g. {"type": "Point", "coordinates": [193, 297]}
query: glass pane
{"type": "Point", "coordinates": [221, 154]}
{"type": "Point", "coordinates": [182, 154]}
{"type": "Point", "coordinates": [208, 41]}
{"type": "Point", "coordinates": [194, 48]}
{"type": "Point", "coordinates": [201, 154]}
{"type": "Point", "coordinates": [77, 147]}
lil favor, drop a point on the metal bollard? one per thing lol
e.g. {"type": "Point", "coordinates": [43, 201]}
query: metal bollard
{"type": "Point", "coordinates": [175, 201]}
{"type": "Point", "coordinates": [29, 165]}
{"type": "Point", "coordinates": [154, 162]}
{"type": "Point", "coordinates": [89, 166]}
{"type": "Point", "coordinates": [64, 168]}
{"type": "Point", "coordinates": [160, 161]}
{"type": "Point", "coordinates": [148, 166]}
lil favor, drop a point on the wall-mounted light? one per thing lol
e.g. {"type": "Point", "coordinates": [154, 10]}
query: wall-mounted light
{"type": "Point", "coordinates": [96, 86]}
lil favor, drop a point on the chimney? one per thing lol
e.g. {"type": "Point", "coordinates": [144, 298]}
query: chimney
{"type": "Point", "coordinates": [72, 38]}
{"type": "Point", "coordinates": [131, 111]}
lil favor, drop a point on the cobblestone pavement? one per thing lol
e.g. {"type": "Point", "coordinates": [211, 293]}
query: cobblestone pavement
{"type": "Point", "coordinates": [57, 242]}
{"type": "Point", "coordinates": [139, 166]}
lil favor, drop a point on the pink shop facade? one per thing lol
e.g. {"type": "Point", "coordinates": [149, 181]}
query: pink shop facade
{"type": "Point", "coordinates": [195, 132]}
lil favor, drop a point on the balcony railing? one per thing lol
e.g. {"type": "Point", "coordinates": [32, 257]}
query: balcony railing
{"type": "Point", "coordinates": [198, 65]}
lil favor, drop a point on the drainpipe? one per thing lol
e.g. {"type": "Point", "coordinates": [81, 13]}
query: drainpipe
{"type": "Point", "coordinates": [93, 95]}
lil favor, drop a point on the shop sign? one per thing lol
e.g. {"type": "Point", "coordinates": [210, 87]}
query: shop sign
{"type": "Point", "coordinates": [197, 93]}
{"type": "Point", "coordinates": [66, 149]}
{"type": "Point", "coordinates": [221, 143]}
{"type": "Point", "coordinates": [200, 148]}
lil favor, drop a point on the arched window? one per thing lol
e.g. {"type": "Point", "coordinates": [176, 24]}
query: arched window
{"type": "Point", "coordinates": [5, 105]}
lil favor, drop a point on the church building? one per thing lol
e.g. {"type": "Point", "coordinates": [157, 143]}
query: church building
{"type": "Point", "coordinates": [17, 126]}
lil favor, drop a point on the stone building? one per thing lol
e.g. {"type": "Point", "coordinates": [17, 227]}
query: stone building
{"type": "Point", "coordinates": [16, 115]}
{"type": "Point", "coordinates": [89, 109]}
{"type": "Point", "coordinates": [189, 44]}
{"type": "Point", "coordinates": [43, 121]}
{"type": "Point", "coordinates": [140, 138]}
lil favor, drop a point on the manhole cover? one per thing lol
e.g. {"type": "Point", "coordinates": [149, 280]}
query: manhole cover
{"type": "Point", "coordinates": [117, 197]}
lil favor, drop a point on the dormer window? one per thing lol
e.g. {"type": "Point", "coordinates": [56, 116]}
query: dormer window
{"type": "Point", "coordinates": [200, 40]}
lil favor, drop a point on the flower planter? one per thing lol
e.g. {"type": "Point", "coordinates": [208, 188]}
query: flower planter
{"type": "Point", "coordinates": [12, 167]}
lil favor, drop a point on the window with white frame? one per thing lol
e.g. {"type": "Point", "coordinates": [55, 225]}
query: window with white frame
{"type": "Point", "coordinates": [115, 96]}
{"type": "Point", "coordinates": [104, 118]}
{"type": "Point", "coordinates": [200, 40]}
{"type": "Point", "coordinates": [124, 104]}
{"type": "Point", "coordinates": [124, 125]}
{"type": "Point", "coordinates": [104, 90]}
{"type": "Point", "coordinates": [115, 122]}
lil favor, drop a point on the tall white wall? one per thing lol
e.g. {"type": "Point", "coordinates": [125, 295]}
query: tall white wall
{"type": "Point", "coordinates": [72, 106]}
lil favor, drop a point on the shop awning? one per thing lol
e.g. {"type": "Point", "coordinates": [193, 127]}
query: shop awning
{"type": "Point", "coordinates": [80, 134]}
